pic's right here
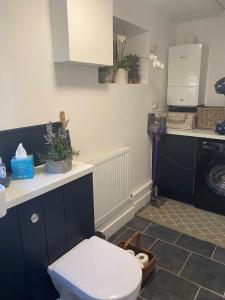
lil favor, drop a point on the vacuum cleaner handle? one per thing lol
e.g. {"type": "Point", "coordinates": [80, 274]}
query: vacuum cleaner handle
{"type": "Point", "coordinates": [151, 121]}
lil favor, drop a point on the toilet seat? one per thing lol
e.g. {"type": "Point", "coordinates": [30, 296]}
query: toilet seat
{"type": "Point", "coordinates": [97, 269]}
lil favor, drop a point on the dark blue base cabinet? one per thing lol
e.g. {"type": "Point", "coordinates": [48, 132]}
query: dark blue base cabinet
{"type": "Point", "coordinates": [176, 167]}
{"type": "Point", "coordinates": [37, 232]}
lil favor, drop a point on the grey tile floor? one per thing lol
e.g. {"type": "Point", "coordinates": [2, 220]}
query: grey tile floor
{"type": "Point", "coordinates": [187, 268]}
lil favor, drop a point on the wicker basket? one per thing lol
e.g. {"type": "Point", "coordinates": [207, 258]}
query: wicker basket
{"type": "Point", "coordinates": [178, 120]}
{"type": "Point", "coordinates": [137, 248]}
{"type": "Point", "coordinates": [208, 116]}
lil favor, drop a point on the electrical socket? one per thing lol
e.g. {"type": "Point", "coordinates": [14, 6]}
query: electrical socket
{"type": "Point", "coordinates": [155, 106]}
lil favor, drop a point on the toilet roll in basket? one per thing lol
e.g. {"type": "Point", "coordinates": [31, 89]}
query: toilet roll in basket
{"type": "Point", "coordinates": [3, 208]}
{"type": "Point", "coordinates": [134, 243]}
{"type": "Point", "coordinates": [141, 264]}
{"type": "Point", "coordinates": [143, 258]}
{"type": "Point", "coordinates": [131, 252]}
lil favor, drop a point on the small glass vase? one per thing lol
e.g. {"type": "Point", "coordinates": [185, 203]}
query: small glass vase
{"type": "Point", "coordinates": [121, 76]}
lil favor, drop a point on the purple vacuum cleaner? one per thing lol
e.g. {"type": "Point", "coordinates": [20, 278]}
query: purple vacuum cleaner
{"type": "Point", "coordinates": [156, 128]}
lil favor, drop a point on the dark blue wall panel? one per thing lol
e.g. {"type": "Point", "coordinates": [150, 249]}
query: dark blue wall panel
{"type": "Point", "coordinates": [32, 138]}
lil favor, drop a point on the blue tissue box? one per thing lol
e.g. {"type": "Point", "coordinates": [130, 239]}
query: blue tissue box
{"type": "Point", "coordinates": [22, 168]}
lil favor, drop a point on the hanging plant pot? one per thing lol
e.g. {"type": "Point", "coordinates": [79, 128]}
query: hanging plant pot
{"type": "Point", "coordinates": [121, 76]}
{"type": "Point", "coordinates": [57, 167]}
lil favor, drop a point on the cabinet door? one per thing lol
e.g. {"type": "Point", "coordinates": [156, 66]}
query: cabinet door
{"type": "Point", "coordinates": [55, 224]}
{"type": "Point", "coordinates": [82, 31]}
{"type": "Point", "coordinates": [31, 221]}
{"type": "Point", "coordinates": [176, 167]}
{"type": "Point", "coordinates": [79, 210]}
{"type": "Point", "coordinates": [13, 284]}
{"type": "Point", "coordinates": [90, 26]}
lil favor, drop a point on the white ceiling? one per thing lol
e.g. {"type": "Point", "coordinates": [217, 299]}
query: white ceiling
{"type": "Point", "coordinates": [188, 10]}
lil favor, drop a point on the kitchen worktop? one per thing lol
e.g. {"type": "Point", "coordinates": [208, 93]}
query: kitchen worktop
{"type": "Point", "coordinates": [202, 133]}
{"type": "Point", "coordinates": [21, 191]}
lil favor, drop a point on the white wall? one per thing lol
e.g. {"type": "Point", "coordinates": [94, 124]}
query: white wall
{"type": "Point", "coordinates": [102, 117]}
{"type": "Point", "coordinates": [212, 33]}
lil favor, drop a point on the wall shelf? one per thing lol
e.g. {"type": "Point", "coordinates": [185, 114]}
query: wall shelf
{"type": "Point", "coordinates": [138, 43]}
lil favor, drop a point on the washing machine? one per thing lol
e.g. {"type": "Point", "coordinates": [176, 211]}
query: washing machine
{"type": "Point", "coordinates": [210, 176]}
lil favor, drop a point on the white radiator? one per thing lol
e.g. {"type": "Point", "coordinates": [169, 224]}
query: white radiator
{"type": "Point", "coordinates": [111, 183]}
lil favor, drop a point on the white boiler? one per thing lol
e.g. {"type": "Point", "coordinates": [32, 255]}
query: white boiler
{"type": "Point", "coordinates": [186, 75]}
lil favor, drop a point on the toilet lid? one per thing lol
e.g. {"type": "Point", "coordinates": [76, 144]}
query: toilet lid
{"type": "Point", "coordinates": [99, 270]}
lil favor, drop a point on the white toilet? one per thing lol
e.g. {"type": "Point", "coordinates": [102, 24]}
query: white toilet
{"type": "Point", "coordinates": [96, 270]}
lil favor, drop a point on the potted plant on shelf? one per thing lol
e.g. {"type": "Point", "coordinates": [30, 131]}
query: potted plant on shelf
{"type": "Point", "coordinates": [59, 153]}
{"type": "Point", "coordinates": [122, 64]}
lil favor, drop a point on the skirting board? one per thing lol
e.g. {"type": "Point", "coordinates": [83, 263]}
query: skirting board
{"type": "Point", "coordinates": [142, 196]}
{"type": "Point", "coordinates": [139, 199]}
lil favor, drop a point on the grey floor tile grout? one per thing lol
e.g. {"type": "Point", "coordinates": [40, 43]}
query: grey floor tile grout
{"type": "Point", "coordinates": [141, 297]}
{"type": "Point", "coordinates": [184, 264]}
{"type": "Point", "coordinates": [197, 293]}
{"type": "Point", "coordinates": [147, 228]}
{"type": "Point", "coordinates": [180, 276]}
{"type": "Point", "coordinates": [213, 292]}
{"type": "Point", "coordinates": [178, 246]}
{"type": "Point", "coordinates": [153, 244]}
{"type": "Point", "coordinates": [125, 229]}
{"type": "Point", "coordinates": [175, 245]}
{"type": "Point", "coordinates": [142, 289]}
{"type": "Point", "coordinates": [182, 268]}
{"type": "Point", "coordinates": [128, 227]}
{"type": "Point", "coordinates": [213, 252]}
{"type": "Point", "coordinates": [149, 225]}
{"type": "Point", "coordinates": [219, 262]}
{"type": "Point", "coordinates": [192, 282]}
{"type": "Point", "coordinates": [179, 235]}
{"type": "Point", "coordinates": [192, 252]}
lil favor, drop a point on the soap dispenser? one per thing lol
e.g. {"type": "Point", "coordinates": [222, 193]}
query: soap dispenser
{"type": "Point", "coordinates": [3, 173]}
{"type": "Point", "coordinates": [22, 165]}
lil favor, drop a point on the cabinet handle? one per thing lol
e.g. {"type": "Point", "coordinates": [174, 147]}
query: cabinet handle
{"type": "Point", "coordinates": [34, 218]}
{"type": "Point", "coordinates": [181, 100]}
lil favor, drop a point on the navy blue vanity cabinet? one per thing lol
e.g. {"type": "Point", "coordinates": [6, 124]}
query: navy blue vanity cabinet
{"type": "Point", "coordinates": [13, 284]}
{"type": "Point", "coordinates": [37, 232]}
{"type": "Point", "coordinates": [34, 242]}
{"type": "Point", "coordinates": [79, 210]}
{"type": "Point", "coordinates": [55, 224]}
{"type": "Point", "coordinates": [176, 167]}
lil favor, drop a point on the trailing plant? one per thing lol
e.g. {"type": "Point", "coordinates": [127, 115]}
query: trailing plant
{"type": "Point", "coordinates": [58, 144]}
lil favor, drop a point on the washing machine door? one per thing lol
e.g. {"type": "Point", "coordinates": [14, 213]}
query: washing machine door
{"type": "Point", "coordinates": [215, 177]}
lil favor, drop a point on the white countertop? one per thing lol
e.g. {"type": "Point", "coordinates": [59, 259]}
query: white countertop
{"type": "Point", "coordinates": [21, 191]}
{"type": "Point", "coordinates": [203, 133]}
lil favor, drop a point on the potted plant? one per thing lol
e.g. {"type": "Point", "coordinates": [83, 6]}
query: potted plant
{"type": "Point", "coordinates": [106, 74]}
{"type": "Point", "coordinates": [122, 64]}
{"type": "Point", "coordinates": [59, 153]}
{"type": "Point", "coordinates": [134, 68]}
